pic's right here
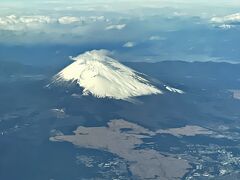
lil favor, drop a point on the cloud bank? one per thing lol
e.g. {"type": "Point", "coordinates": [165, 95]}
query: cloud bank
{"type": "Point", "coordinates": [227, 22]}
{"type": "Point", "coordinates": [14, 22]}
{"type": "Point", "coordinates": [229, 19]}
{"type": "Point", "coordinates": [182, 31]}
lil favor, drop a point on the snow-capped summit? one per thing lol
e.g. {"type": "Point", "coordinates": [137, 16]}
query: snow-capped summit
{"type": "Point", "coordinates": [102, 76]}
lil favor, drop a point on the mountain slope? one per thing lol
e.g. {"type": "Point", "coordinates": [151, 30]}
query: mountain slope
{"type": "Point", "coordinates": [102, 76]}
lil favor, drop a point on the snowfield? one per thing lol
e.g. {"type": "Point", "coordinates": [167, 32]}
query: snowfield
{"type": "Point", "coordinates": [102, 76]}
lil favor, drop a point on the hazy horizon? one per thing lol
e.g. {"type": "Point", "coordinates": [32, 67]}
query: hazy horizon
{"type": "Point", "coordinates": [152, 31]}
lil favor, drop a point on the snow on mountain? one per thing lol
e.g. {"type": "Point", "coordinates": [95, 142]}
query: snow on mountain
{"type": "Point", "coordinates": [102, 76]}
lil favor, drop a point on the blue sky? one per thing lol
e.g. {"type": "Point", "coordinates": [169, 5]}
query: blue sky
{"type": "Point", "coordinates": [137, 30]}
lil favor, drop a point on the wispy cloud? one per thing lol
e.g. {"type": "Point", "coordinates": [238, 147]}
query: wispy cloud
{"type": "Point", "coordinates": [116, 27]}
{"type": "Point", "coordinates": [156, 38]}
{"type": "Point", "coordinates": [226, 26]}
{"type": "Point", "coordinates": [129, 44]}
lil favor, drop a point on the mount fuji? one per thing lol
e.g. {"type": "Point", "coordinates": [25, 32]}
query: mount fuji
{"type": "Point", "coordinates": [104, 77]}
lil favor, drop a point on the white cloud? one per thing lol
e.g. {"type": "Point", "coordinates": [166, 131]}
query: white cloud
{"type": "Point", "coordinates": [98, 18]}
{"type": "Point", "coordinates": [156, 38]}
{"type": "Point", "coordinates": [12, 19]}
{"type": "Point", "coordinates": [229, 19]}
{"type": "Point", "coordinates": [68, 20]}
{"type": "Point", "coordinates": [179, 13]}
{"type": "Point", "coordinates": [129, 44]}
{"type": "Point", "coordinates": [43, 23]}
{"type": "Point", "coordinates": [226, 26]}
{"type": "Point", "coordinates": [18, 29]}
{"type": "Point", "coordinates": [16, 23]}
{"type": "Point", "coordinates": [226, 22]}
{"type": "Point", "coordinates": [116, 27]}
{"type": "Point", "coordinates": [35, 19]}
